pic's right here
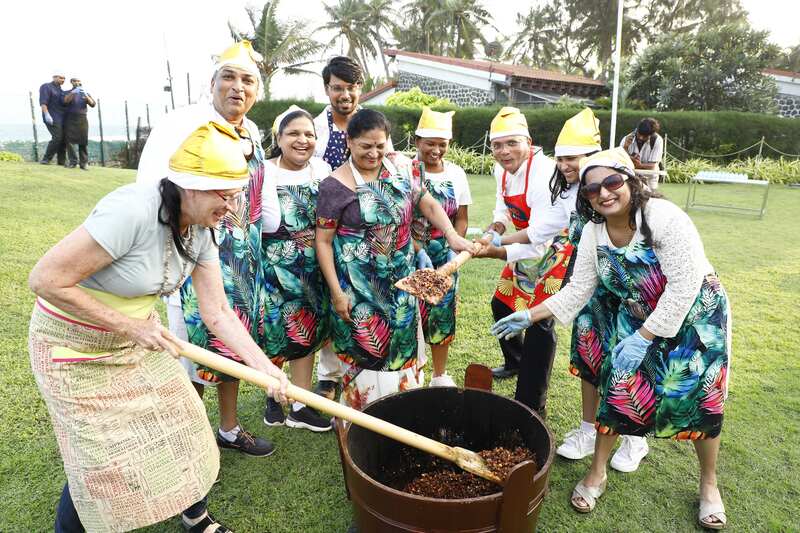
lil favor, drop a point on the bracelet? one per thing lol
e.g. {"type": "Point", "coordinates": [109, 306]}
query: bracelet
{"type": "Point", "coordinates": [448, 230]}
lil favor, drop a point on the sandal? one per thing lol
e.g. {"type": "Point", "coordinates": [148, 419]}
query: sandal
{"type": "Point", "coordinates": [589, 495]}
{"type": "Point", "coordinates": [207, 524]}
{"type": "Point", "coordinates": [712, 515]}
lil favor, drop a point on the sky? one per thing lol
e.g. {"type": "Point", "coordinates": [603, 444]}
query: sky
{"type": "Point", "coordinates": [119, 50]}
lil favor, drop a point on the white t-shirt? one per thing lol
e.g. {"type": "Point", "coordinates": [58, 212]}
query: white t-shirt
{"type": "Point", "coordinates": [125, 224]}
{"type": "Point", "coordinates": [458, 177]}
{"type": "Point", "coordinates": [646, 154]}
{"type": "Point", "coordinates": [317, 169]}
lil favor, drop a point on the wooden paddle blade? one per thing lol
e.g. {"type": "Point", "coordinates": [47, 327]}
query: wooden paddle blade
{"type": "Point", "coordinates": [427, 284]}
{"type": "Point", "coordinates": [404, 285]}
{"type": "Point", "coordinates": [434, 298]}
{"type": "Point", "coordinates": [474, 464]}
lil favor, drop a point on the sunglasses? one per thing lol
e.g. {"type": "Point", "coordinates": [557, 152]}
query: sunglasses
{"type": "Point", "coordinates": [610, 183]}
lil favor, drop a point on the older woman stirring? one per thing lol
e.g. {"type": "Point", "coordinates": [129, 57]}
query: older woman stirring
{"type": "Point", "coordinates": [136, 444]}
{"type": "Point", "coordinates": [364, 246]}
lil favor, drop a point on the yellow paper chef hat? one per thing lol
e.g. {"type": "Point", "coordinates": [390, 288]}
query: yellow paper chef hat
{"type": "Point", "coordinates": [508, 121]}
{"type": "Point", "coordinates": [240, 56]}
{"type": "Point", "coordinates": [580, 135]}
{"type": "Point", "coordinates": [277, 122]}
{"type": "Point", "coordinates": [616, 158]}
{"type": "Point", "coordinates": [209, 159]}
{"type": "Point", "coordinates": [435, 124]}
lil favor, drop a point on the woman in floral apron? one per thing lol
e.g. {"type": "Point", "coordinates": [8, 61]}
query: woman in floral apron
{"type": "Point", "coordinates": [296, 304]}
{"type": "Point", "coordinates": [447, 183]}
{"type": "Point", "coordinates": [669, 327]}
{"type": "Point", "coordinates": [364, 246]}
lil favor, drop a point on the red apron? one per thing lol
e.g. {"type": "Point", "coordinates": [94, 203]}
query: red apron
{"type": "Point", "coordinates": [509, 291]}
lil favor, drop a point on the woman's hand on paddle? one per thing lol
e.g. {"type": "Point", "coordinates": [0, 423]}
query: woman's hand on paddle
{"type": "Point", "coordinates": [150, 336]}
{"type": "Point", "coordinates": [342, 306]}
{"type": "Point", "coordinates": [264, 365]}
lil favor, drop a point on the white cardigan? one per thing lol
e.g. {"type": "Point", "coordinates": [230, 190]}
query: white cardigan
{"type": "Point", "coordinates": [679, 251]}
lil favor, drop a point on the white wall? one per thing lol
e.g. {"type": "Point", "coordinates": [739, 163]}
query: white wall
{"type": "Point", "coordinates": [379, 99]}
{"type": "Point", "coordinates": [787, 85]}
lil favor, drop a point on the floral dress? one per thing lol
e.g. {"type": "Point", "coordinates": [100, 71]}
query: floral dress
{"type": "Point", "coordinates": [438, 321]}
{"type": "Point", "coordinates": [239, 238]}
{"type": "Point", "coordinates": [296, 301]}
{"type": "Point", "coordinates": [679, 389]}
{"type": "Point", "coordinates": [371, 251]}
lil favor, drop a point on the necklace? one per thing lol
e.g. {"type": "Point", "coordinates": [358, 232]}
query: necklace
{"type": "Point", "coordinates": [185, 266]}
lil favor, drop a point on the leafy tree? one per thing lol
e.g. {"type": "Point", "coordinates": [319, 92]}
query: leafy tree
{"type": "Point", "coordinates": [789, 59]}
{"type": "Point", "coordinates": [283, 45]}
{"type": "Point", "coordinates": [380, 21]}
{"type": "Point", "coordinates": [716, 69]}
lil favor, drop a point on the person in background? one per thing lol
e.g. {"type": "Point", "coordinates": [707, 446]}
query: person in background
{"type": "Point", "coordinates": [296, 303]}
{"type": "Point", "coordinates": [522, 172]}
{"type": "Point", "coordinates": [234, 87]}
{"type": "Point", "coordinates": [133, 434]}
{"type": "Point", "coordinates": [342, 78]}
{"type": "Point", "coordinates": [447, 183]}
{"type": "Point", "coordinates": [76, 125]}
{"type": "Point", "coordinates": [668, 327]}
{"type": "Point", "coordinates": [51, 102]}
{"type": "Point", "coordinates": [364, 246]}
{"type": "Point", "coordinates": [646, 148]}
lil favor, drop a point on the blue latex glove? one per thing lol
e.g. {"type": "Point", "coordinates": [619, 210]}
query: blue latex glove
{"type": "Point", "coordinates": [47, 118]}
{"type": "Point", "coordinates": [512, 325]}
{"type": "Point", "coordinates": [495, 237]}
{"type": "Point", "coordinates": [423, 260]}
{"type": "Point", "coordinates": [629, 352]}
{"type": "Point", "coordinates": [451, 255]}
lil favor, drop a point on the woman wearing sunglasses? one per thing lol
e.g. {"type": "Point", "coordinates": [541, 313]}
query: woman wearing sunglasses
{"type": "Point", "coordinates": [668, 324]}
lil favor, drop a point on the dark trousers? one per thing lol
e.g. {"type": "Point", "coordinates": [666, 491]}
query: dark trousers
{"type": "Point", "coordinates": [83, 155]}
{"type": "Point", "coordinates": [536, 365]}
{"type": "Point", "coordinates": [533, 355]}
{"type": "Point", "coordinates": [57, 147]}
{"type": "Point", "coordinates": [511, 348]}
{"type": "Point", "coordinates": [67, 520]}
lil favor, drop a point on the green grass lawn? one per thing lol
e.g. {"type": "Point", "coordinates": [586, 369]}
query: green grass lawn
{"type": "Point", "coordinates": [300, 489]}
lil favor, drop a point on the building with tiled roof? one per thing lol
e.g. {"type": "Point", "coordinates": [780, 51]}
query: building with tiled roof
{"type": "Point", "coordinates": [470, 82]}
{"type": "Point", "coordinates": [788, 99]}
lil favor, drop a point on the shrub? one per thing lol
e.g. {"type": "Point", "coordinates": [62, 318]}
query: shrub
{"type": "Point", "coordinates": [777, 171]}
{"type": "Point", "coordinates": [10, 156]}
{"type": "Point", "coordinates": [416, 99]}
{"type": "Point", "coordinates": [700, 132]}
{"type": "Point", "coordinates": [472, 162]}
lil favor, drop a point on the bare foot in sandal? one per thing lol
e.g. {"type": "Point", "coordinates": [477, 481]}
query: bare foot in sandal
{"type": "Point", "coordinates": [587, 492]}
{"type": "Point", "coordinates": [712, 511]}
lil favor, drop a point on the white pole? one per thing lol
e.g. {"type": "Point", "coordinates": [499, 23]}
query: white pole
{"type": "Point", "coordinates": [617, 55]}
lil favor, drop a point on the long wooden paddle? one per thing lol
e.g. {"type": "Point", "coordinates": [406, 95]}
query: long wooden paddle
{"type": "Point", "coordinates": [466, 459]}
{"type": "Point", "coordinates": [432, 285]}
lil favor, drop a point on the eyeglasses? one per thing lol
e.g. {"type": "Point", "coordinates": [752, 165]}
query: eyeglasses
{"type": "Point", "coordinates": [231, 200]}
{"type": "Point", "coordinates": [609, 183]}
{"type": "Point", "coordinates": [511, 144]}
{"type": "Point", "coordinates": [340, 89]}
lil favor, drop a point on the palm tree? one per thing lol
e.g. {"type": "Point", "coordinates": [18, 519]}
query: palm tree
{"type": "Point", "coordinates": [283, 45]}
{"type": "Point", "coordinates": [536, 42]}
{"type": "Point", "coordinates": [347, 19]}
{"type": "Point", "coordinates": [462, 21]}
{"type": "Point", "coordinates": [381, 17]}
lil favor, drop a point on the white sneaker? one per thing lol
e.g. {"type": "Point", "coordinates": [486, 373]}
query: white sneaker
{"type": "Point", "coordinates": [630, 453]}
{"type": "Point", "coordinates": [442, 381]}
{"type": "Point", "coordinates": [577, 444]}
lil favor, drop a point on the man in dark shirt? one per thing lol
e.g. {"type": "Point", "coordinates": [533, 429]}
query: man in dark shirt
{"type": "Point", "coordinates": [76, 126]}
{"type": "Point", "coordinates": [51, 100]}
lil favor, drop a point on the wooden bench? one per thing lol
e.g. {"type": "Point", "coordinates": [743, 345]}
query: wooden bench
{"type": "Point", "coordinates": [711, 176]}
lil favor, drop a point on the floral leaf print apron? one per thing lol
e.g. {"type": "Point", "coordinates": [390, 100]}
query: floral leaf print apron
{"type": "Point", "coordinates": [515, 288]}
{"type": "Point", "coordinates": [679, 389]}
{"type": "Point", "coordinates": [296, 303]}
{"type": "Point", "coordinates": [239, 238]}
{"type": "Point", "coordinates": [438, 321]}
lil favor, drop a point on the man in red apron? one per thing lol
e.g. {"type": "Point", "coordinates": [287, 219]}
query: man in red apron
{"type": "Point", "coordinates": [522, 172]}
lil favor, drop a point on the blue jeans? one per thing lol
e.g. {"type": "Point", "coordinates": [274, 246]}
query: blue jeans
{"type": "Point", "coordinates": [68, 521]}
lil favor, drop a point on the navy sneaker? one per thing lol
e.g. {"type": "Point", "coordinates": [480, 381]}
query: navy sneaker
{"type": "Point", "coordinates": [308, 418]}
{"type": "Point", "coordinates": [273, 413]}
{"type": "Point", "coordinates": [248, 444]}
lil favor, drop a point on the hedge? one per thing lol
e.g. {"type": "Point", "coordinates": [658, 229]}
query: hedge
{"type": "Point", "coordinates": [702, 132]}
